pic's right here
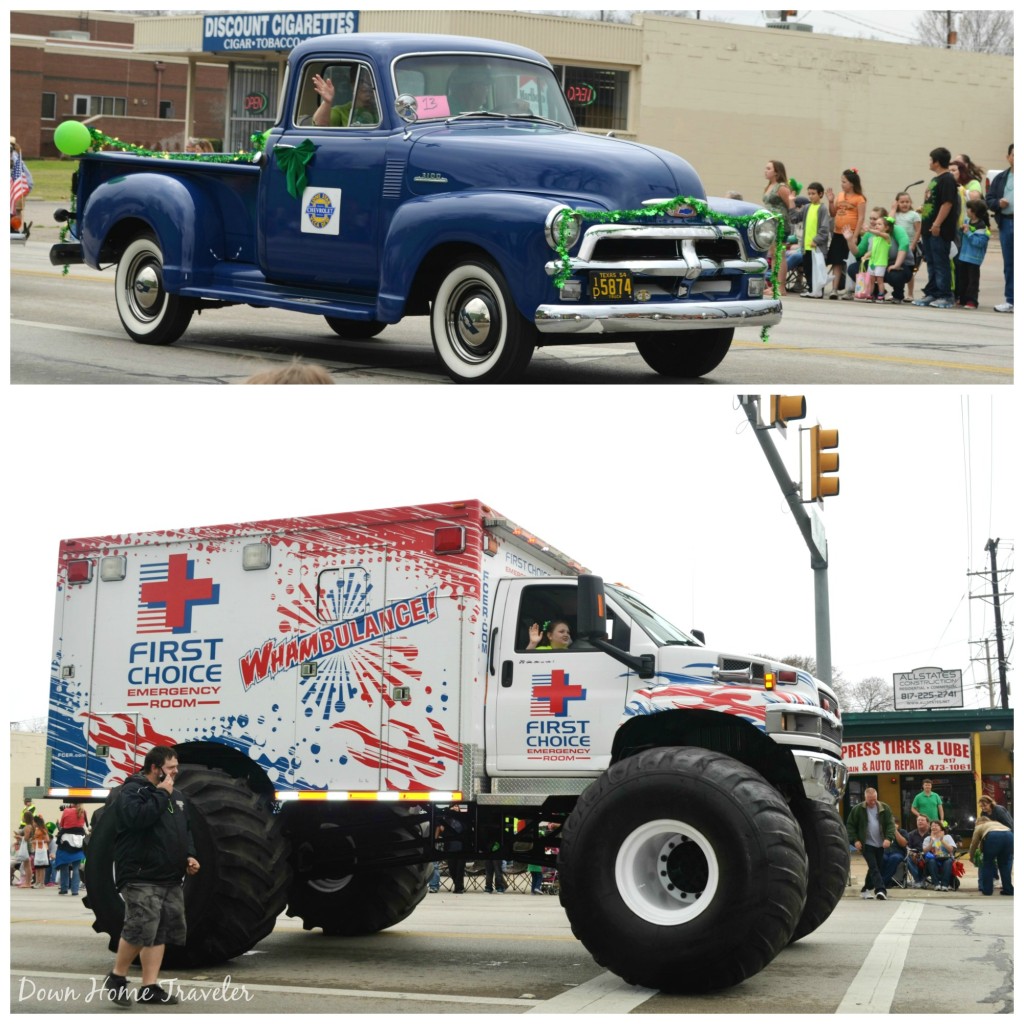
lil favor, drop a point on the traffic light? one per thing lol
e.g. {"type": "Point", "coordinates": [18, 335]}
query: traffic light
{"type": "Point", "coordinates": [824, 461]}
{"type": "Point", "coordinates": [783, 408]}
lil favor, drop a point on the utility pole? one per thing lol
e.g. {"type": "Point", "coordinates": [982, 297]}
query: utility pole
{"type": "Point", "coordinates": [810, 528]}
{"type": "Point", "coordinates": [951, 37]}
{"type": "Point", "coordinates": [1004, 694]}
{"type": "Point", "coordinates": [986, 658]}
{"type": "Point", "coordinates": [988, 666]}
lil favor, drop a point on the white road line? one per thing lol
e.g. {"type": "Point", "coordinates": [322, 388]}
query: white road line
{"type": "Point", "coordinates": [607, 993]}
{"type": "Point", "coordinates": [95, 332]}
{"type": "Point", "coordinates": [351, 993]}
{"type": "Point", "coordinates": [874, 988]}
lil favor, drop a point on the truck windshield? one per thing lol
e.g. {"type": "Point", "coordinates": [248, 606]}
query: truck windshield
{"type": "Point", "coordinates": [658, 629]}
{"type": "Point", "coordinates": [448, 84]}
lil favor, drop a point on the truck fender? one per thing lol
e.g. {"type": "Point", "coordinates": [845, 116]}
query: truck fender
{"type": "Point", "coordinates": [179, 214]}
{"type": "Point", "coordinates": [653, 726]}
{"type": "Point", "coordinates": [508, 226]}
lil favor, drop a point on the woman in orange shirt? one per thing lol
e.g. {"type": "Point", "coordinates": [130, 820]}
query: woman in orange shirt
{"type": "Point", "coordinates": [847, 211]}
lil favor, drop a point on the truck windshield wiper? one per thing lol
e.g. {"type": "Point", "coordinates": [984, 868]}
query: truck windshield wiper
{"type": "Point", "coordinates": [506, 117]}
{"type": "Point", "coordinates": [537, 117]}
{"type": "Point", "coordinates": [478, 113]}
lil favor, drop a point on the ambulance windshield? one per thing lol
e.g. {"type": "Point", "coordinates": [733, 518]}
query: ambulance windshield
{"type": "Point", "coordinates": [657, 628]}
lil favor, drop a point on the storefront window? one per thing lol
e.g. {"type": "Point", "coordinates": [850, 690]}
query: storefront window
{"type": "Point", "coordinates": [959, 802]}
{"type": "Point", "coordinates": [598, 97]}
{"type": "Point", "coordinates": [252, 106]}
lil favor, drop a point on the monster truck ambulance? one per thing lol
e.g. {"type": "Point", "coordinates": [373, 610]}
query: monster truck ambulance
{"type": "Point", "coordinates": [332, 683]}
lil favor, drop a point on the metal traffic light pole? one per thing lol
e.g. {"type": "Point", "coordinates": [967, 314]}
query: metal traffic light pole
{"type": "Point", "coordinates": [813, 538]}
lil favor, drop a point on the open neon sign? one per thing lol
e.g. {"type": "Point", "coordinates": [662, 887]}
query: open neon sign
{"type": "Point", "coordinates": [582, 94]}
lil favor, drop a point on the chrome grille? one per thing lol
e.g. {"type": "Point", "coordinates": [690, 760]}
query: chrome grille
{"type": "Point", "coordinates": [738, 664]}
{"type": "Point", "coordinates": [624, 250]}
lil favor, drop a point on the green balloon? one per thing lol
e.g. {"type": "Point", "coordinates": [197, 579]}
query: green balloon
{"type": "Point", "coordinates": [72, 138]}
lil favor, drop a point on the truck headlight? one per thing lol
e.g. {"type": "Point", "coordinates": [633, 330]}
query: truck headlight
{"type": "Point", "coordinates": [553, 226]}
{"type": "Point", "coordinates": [763, 232]}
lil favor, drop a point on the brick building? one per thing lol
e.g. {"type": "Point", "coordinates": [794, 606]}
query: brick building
{"type": "Point", "coordinates": [84, 66]}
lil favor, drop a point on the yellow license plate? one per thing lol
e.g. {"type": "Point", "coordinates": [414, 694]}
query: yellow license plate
{"type": "Point", "coordinates": [611, 285]}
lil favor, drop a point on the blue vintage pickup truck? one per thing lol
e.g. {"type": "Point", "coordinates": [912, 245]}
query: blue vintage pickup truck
{"type": "Point", "coordinates": [410, 175]}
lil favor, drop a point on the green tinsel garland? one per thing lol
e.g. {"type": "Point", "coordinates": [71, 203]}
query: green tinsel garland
{"type": "Point", "coordinates": [241, 157]}
{"type": "Point", "coordinates": [700, 207]}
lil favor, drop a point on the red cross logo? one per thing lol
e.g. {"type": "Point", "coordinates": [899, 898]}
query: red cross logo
{"type": "Point", "coordinates": [179, 592]}
{"type": "Point", "coordinates": [557, 691]}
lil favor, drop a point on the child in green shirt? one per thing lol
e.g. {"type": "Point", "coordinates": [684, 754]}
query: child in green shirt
{"type": "Point", "coordinates": [875, 243]}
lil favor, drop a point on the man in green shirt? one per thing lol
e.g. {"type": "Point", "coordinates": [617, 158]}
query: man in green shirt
{"type": "Point", "coordinates": [928, 803]}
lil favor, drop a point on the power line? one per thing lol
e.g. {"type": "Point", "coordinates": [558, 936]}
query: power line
{"type": "Point", "coordinates": [873, 28]}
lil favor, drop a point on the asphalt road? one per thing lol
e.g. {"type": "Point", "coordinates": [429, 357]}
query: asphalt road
{"type": "Point", "coordinates": [65, 330]}
{"type": "Point", "coordinates": [490, 954]}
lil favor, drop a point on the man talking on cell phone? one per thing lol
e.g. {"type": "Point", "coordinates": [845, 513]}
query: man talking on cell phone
{"type": "Point", "coordinates": [152, 853]}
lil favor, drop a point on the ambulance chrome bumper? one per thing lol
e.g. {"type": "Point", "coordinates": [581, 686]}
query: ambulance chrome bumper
{"type": "Point", "coordinates": [823, 777]}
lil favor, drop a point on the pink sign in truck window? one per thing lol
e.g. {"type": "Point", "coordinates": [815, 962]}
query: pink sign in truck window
{"type": "Point", "coordinates": [432, 106]}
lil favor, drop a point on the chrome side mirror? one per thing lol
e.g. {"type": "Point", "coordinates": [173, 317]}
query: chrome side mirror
{"type": "Point", "coordinates": [406, 108]}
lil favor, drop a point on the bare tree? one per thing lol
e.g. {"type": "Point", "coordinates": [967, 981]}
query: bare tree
{"type": "Point", "coordinates": [29, 725]}
{"type": "Point", "coordinates": [977, 31]}
{"type": "Point", "coordinates": [838, 683]}
{"type": "Point", "coordinates": [871, 694]}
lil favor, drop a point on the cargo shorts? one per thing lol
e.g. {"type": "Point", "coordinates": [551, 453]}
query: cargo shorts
{"type": "Point", "coordinates": [154, 915]}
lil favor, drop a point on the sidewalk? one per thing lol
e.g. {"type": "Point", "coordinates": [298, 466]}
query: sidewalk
{"type": "Point", "coordinates": [968, 884]}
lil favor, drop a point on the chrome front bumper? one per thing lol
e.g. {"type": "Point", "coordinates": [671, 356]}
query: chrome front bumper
{"type": "Point", "coordinates": [823, 777]}
{"type": "Point", "coordinates": [650, 317]}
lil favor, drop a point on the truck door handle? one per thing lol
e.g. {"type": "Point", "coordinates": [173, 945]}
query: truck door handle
{"type": "Point", "coordinates": [493, 641]}
{"type": "Point", "coordinates": [506, 673]}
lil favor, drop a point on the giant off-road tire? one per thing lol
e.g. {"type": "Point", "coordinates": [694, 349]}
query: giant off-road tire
{"type": "Point", "coordinates": [828, 860]}
{"type": "Point", "coordinates": [365, 900]}
{"type": "Point", "coordinates": [244, 874]}
{"type": "Point", "coordinates": [683, 870]}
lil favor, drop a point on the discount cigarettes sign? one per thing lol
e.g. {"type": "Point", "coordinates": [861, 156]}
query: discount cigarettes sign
{"type": "Point", "coordinates": [931, 756]}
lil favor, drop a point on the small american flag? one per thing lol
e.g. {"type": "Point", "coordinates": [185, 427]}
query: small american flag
{"type": "Point", "coordinates": [21, 181]}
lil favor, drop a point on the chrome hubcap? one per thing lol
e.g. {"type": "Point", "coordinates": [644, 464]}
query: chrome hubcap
{"type": "Point", "coordinates": [146, 288]}
{"type": "Point", "coordinates": [474, 323]}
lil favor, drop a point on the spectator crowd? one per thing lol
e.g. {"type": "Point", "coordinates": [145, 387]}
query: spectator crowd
{"type": "Point", "coordinates": [844, 248]}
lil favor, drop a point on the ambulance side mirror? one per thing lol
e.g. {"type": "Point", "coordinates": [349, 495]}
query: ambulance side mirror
{"type": "Point", "coordinates": [590, 608]}
{"type": "Point", "coordinates": [591, 631]}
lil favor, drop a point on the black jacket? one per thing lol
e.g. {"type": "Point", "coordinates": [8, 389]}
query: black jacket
{"type": "Point", "coordinates": [996, 190]}
{"type": "Point", "coordinates": [1002, 815]}
{"type": "Point", "coordinates": [153, 841]}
